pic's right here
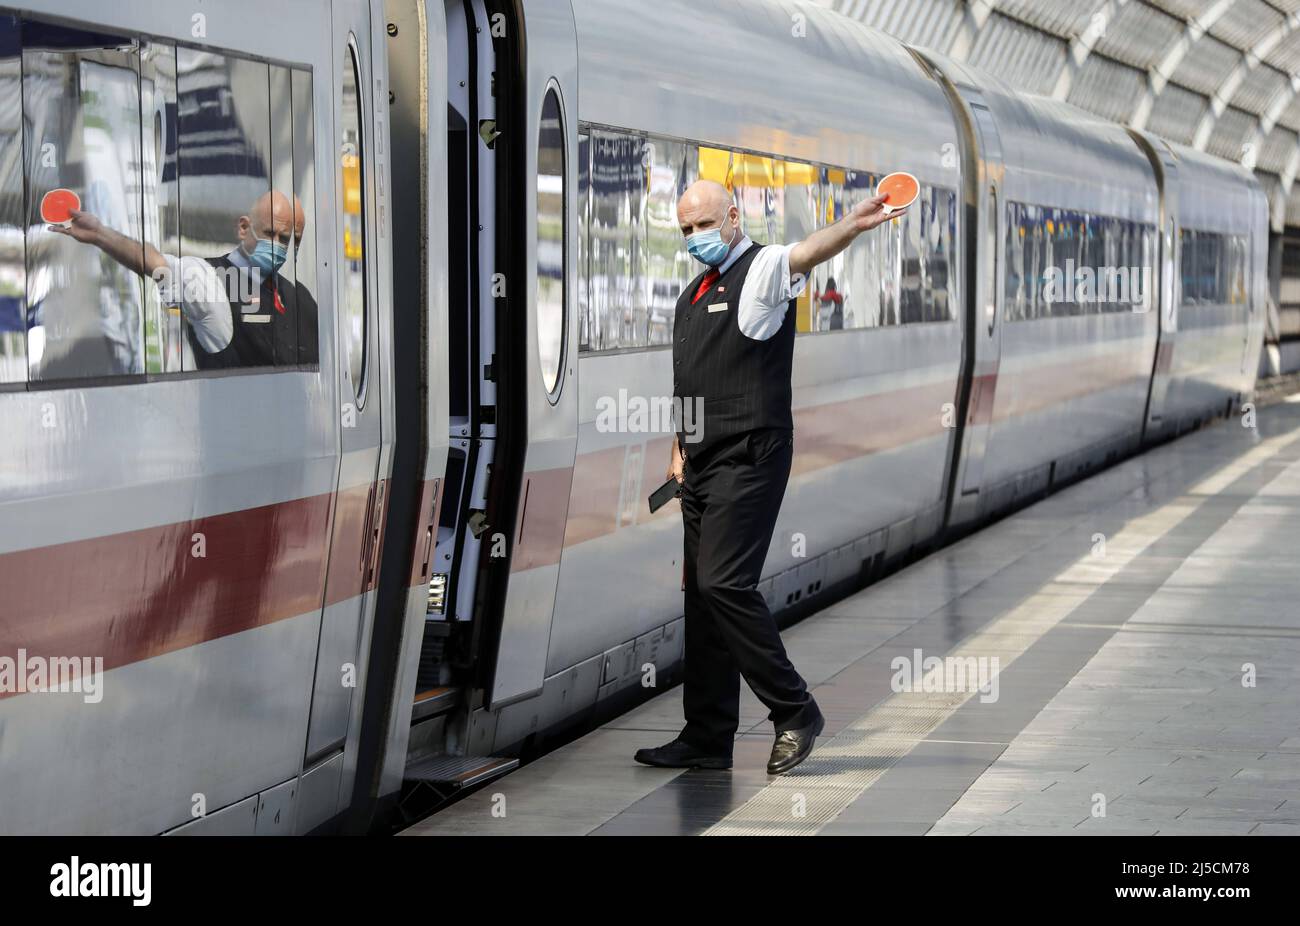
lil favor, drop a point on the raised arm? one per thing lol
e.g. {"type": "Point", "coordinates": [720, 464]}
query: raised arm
{"type": "Point", "coordinates": [826, 242]}
{"type": "Point", "coordinates": [138, 257]}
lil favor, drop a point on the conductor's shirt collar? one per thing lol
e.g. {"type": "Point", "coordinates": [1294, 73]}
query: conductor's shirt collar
{"type": "Point", "coordinates": [739, 249]}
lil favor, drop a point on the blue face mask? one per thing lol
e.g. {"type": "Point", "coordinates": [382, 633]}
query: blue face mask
{"type": "Point", "coordinates": [708, 246]}
{"type": "Point", "coordinates": [268, 256]}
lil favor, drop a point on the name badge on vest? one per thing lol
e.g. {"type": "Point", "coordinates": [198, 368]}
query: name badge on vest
{"type": "Point", "coordinates": [718, 307]}
{"type": "Point", "coordinates": [248, 311]}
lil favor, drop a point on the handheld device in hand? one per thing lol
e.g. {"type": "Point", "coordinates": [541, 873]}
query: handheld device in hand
{"type": "Point", "coordinates": [900, 189]}
{"type": "Point", "coordinates": [660, 496]}
{"type": "Point", "coordinates": [56, 206]}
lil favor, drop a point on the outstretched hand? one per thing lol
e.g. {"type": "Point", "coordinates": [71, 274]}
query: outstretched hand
{"type": "Point", "coordinates": [84, 227]}
{"type": "Point", "coordinates": [869, 213]}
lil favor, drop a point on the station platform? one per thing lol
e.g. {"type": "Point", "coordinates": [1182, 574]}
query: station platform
{"type": "Point", "coordinates": [1146, 627]}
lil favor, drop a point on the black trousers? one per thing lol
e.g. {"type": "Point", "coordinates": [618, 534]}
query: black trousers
{"type": "Point", "coordinates": [730, 500]}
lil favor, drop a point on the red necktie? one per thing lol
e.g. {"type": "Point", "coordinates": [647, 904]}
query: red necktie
{"type": "Point", "coordinates": [705, 284]}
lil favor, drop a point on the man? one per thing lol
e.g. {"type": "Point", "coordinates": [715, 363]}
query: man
{"type": "Point", "coordinates": [733, 345]}
{"type": "Point", "coordinates": [241, 311]}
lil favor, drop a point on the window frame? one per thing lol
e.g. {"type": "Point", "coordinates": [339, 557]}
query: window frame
{"type": "Point", "coordinates": [590, 129]}
{"type": "Point", "coordinates": [140, 37]}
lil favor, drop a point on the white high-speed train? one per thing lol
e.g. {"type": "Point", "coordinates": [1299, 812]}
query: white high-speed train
{"type": "Point", "coordinates": [407, 542]}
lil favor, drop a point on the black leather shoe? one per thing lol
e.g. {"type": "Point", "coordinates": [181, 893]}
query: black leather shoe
{"type": "Point", "coordinates": [680, 755]}
{"type": "Point", "coordinates": [793, 746]}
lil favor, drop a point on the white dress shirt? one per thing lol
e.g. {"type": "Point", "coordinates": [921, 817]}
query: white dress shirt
{"type": "Point", "coordinates": [768, 288]}
{"type": "Point", "coordinates": [200, 290]}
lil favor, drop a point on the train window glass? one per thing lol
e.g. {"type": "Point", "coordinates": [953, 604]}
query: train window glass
{"type": "Point", "coordinates": [942, 264]}
{"type": "Point", "coordinates": [1041, 251]}
{"type": "Point", "coordinates": [670, 168]}
{"type": "Point", "coordinates": [164, 334]}
{"type": "Point", "coordinates": [584, 247]}
{"type": "Point", "coordinates": [284, 343]}
{"type": "Point", "coordinates": [550, 241]}
{"type": "Point", "coordinates": [1239, 280]}
{"type": "Point", "coordinates": [617, 192]}
{"type": "Point", "coordinates": [833, 277]}
{"type": "Point", "coordinates": [13, 270]}
{"type": "Point", "coordinates": [880, 260]}
{"type": "Point", "coordinates": [352, 173]}
{"type": "Point", "coordinates": [226, 211]}
{"type": "Point", "coordinates": [911, 306]}
{"type": "Point", "coordinates": [871, 288]}
{"type": "Point", "coordinates": [814, 310]}
{"type": "Point", "coordinates": [1209, 270]}
{"type": "Point", "coordinates": [828, 299]}
{"type": "Point", "coordinates": [304, 188]}
{"type": "Point", "coordinates": [81, 107]}
{"type": "Point", "coordinates": [1211, 291]}
{"type": "Point", "coordinates": [757, 185]}
{"type": "Point", "coordinates": [1148, 271]}
{"type": "Point", "coordinates": [135, 284]}
{"type": "Point", "coordinates": [1013, 264]}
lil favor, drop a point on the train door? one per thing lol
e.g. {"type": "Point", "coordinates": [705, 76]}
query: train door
{"type": "Point", "coordinates": [983, 274]}
{"type": "Point", "coordinates": [1165, 164]}
{"type": "Point", "coordinates": [361, 286]}
{"type": "Point", "coordinates": [539, 244]}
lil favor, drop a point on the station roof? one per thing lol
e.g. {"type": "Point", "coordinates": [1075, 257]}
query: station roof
{"type": "Point", "coordinates": [1220, 75]}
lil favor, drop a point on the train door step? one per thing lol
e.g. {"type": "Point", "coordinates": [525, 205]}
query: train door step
{"type": "Point", "coordinates": [460, 771]}
{"type": "Point", "coordinates": [434, 701]}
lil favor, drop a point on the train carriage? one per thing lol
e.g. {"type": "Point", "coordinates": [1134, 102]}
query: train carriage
{"type": "Point", "coordinates": [371, 528]}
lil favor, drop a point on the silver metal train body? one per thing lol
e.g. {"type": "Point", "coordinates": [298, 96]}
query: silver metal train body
{"type": "Point", "coordinates": [329, 589]}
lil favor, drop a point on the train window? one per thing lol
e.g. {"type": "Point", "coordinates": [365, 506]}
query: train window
{"type": "Point", "coordinates": [911, 307]}
{"type": "Point", "coordinates": [633, 266]}
{"type": "Point", "coordinates": [670, 167]}
{"type": "Point", "coordinates": [13, 269]}
{"type": "Point", "coordinates": [758, 188]}
{"type": "Point", "coordinates": [304, 193]}
{"type": "Point", "coordinates": [1062, 263]}
{"type": "Point", "coordinates": [583, 280]}
{"type": "Point", "coordinates": [164, 328]}
{"type": "Point", "coordinates": [616, 306]}
{"type": "Point", "coordinates": [182, 167]}
{"type": "Point", "coordinates": [802, 184]}
{"type": "Point", "coordinates": [351, 171]}
{"type": "Point", "coordinates": [550, 241]}
{"type": "Point", "coordinates": [941, 262]}
{"type": "Point", "coordinates": [81, 108]}
{"type": "Point", "coordinates": [1213, 267]}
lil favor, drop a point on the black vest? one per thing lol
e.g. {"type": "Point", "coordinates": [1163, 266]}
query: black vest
{"type": "Point", "coordinates": [285, 336]}
{"type": "Point", "coordinates": [743, 383]}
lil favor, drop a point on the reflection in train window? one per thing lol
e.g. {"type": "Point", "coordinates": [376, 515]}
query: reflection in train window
{"type": "Point", "coordinates": [634, 265]}
{"type": "Point", "coordinates": [304, 188]}
{"type": "Point", "coordinates": [164, 326]}
{"type": "Point", "coordinates": [150, 197]}
{"type": "Point", "coordinates": [354, 228]}
{"type": "Point", "coordinates": [1063, 262]}
{"type": "Point", "coordinates": [81, 106]}
{"type": "Point", "coordinates": [13, 269]}
{"type": "Point", "coordinates": [1213, 267]}
{"type": "Point", "coordinates": [550, 241]}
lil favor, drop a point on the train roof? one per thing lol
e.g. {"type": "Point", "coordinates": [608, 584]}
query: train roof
{"type": "Point", "coordinates": [809, 85]}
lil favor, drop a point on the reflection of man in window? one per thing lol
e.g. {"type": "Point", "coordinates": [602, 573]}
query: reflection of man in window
{"type": "Point", "coordinates": [830, 307]}
{"type": "Point", "coordinates": [241, 311]}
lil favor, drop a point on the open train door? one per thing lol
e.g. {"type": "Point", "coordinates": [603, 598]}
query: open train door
{"type": "Point", "coordinates": [538, 228]}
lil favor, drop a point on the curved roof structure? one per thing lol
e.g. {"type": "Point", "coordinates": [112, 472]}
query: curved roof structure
{"type": "Point", "coordinates": [1222, 76]}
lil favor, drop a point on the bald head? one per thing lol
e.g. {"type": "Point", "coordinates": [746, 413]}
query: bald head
{"type": "Point", "coordinates": [272, 217]}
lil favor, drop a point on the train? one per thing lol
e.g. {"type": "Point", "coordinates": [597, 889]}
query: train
{"type": "Point", "coordinates": [397, 540]}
